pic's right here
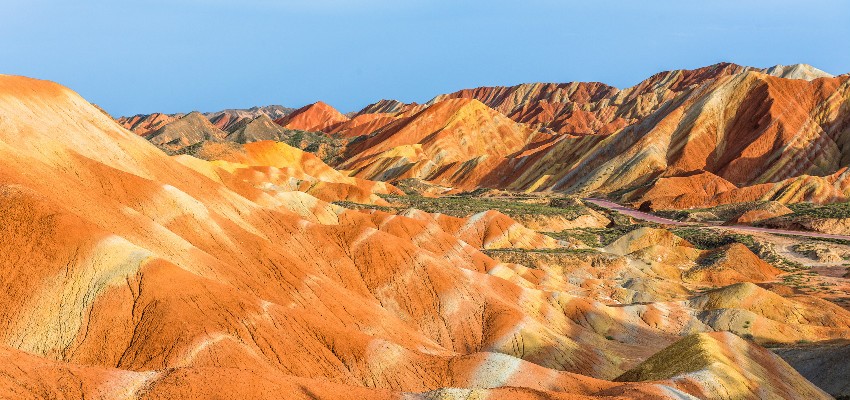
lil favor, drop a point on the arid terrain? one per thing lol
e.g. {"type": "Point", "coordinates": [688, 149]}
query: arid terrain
{"type": "Point", "coordinates": [685, 238]}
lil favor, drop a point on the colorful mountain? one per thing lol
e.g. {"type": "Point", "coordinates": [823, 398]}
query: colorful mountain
{"type": "Point", "coordinates": [129, 273]}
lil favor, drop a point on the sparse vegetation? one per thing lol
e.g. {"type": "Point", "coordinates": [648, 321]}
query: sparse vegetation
{"type": "Point", "coordinates": [496, 252]}
{"type": "Point", "coordinates": [836, 210]}
{"type": "Point", "coordinates": [359, 206]}
{"type": "Point", "coordinates": [597, 237]}
{"type": "Point", "coordinates": [588, 238]}
{"type": "Point", "coordinates": [468, 204]}
{"type": "Point", "coordinates": [707, 239]}
{"type": "Point", "coordinates": [326, 147]}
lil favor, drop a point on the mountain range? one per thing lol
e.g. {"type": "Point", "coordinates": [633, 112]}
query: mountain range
{"type": "Point", "coordinates": [443, 250]}
{"type": "Point", "coordinates": [680, 139]}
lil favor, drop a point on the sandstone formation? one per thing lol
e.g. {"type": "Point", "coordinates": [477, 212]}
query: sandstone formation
{"type": "Point", "coordinates": [761, 212]}
{"type": "Point", "coordinates": [455, 142]}
{"type": "Point", "coordinates": [731, 264]}
{"type": "Point", "coordinates": [257, 268]}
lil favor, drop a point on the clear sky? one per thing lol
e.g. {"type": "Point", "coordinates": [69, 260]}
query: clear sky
{"type": "Point", "coordinates": [142, 56]}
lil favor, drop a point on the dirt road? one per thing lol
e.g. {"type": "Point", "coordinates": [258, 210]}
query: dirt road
{"type": "Point", "coordinates": [741, 228]}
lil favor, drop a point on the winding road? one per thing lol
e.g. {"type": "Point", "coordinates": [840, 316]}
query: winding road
{"type": "Point", "coordinates": [743, 228]}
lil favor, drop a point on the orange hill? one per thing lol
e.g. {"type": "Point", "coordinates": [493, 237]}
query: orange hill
{"type": "Point", "coordinates": [314, 117]}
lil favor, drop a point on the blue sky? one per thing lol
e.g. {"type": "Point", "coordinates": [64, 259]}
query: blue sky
{"type": "Point", "coordinates": [180, 55]}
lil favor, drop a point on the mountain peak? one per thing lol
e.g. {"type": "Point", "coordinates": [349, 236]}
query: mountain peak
{"type": "Point", "coordinates": [318, 116]}
{"type": "Point", "coordinates": [797, 71]}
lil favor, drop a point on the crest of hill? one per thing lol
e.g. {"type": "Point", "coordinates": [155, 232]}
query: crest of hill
{"type": "Point", "coordinates": [318, 116]}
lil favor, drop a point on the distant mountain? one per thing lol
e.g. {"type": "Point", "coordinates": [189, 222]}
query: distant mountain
{"type": "Point", "coordinates": [255, 129]}
{"type": "Point", "coordinates": [384, 106]}
{"type": "Point", "coordinates": [225, 118]}
{"type": "Point", "coordinates": [318, 116]}
{"type": "Point", "coordinates": [191, 129]}
{"type": "Point", "coordinates": [683, 138]}
{"type": "Point", "coordinates": [679, 139]}
{"type": "Point", "coordinates": [144, 123]}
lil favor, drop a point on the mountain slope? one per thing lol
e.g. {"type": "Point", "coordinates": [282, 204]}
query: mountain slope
{"type": "Point", "coordinates": [256, 129]}
{"type": "Point", "coordinates": [455, 141]}
{"type": "Point", "coordinates": [191, 129]}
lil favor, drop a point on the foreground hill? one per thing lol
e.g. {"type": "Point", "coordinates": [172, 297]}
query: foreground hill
{"type": "Point", "coordinates": [133, 274]}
